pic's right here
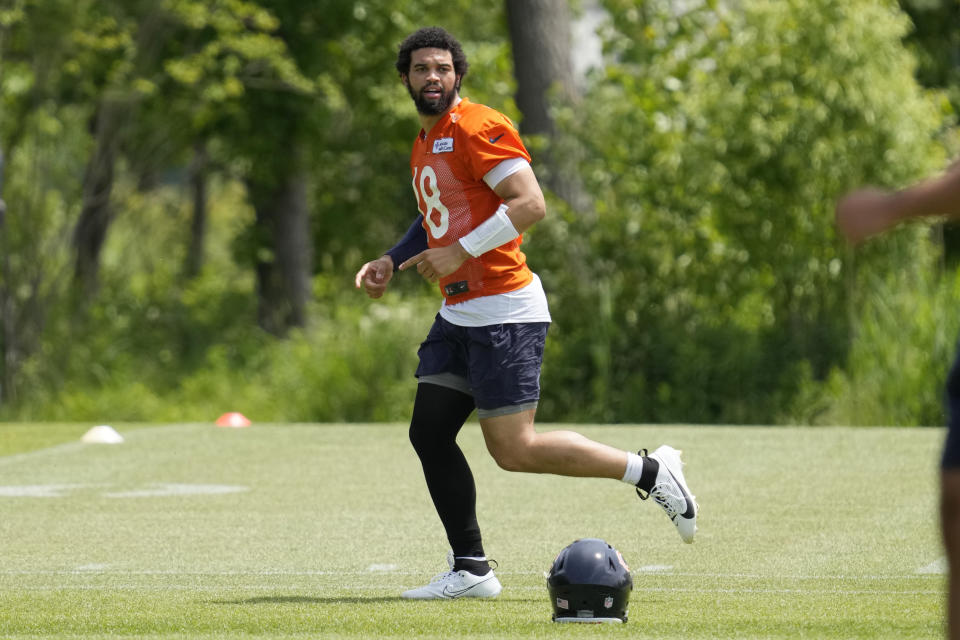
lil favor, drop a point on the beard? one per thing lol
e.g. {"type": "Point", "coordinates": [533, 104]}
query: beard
{"type": "Point", "coordinates": [431, 106]}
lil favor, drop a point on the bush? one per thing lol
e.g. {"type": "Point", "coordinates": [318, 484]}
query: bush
{"type": "Point", "coordinates": [200, 355]}
{"type": "Point", "coordinates": [709, 283]}
{"type": "Point", "coordinates": [903, 343]}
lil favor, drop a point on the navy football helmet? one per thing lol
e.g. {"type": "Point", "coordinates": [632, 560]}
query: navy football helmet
{"type": "Point", "coordinates": [589, 582]}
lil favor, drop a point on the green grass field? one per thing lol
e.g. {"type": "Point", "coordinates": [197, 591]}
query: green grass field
{"type": "Point", "coordinates": [312, 531]}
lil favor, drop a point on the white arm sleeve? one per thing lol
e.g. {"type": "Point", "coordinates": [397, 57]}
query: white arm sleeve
{"type": "Point", "coordinates": [493, 232]}
{"type": "Point", "coordinates": [504, 170]}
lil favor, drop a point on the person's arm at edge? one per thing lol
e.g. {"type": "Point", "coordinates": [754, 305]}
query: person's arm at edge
{"type": "Point", "coordinates": [939, 196]}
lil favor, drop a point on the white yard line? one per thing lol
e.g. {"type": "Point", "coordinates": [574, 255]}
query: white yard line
{"type": "Point", "coordinates": [937, 567]}
{"type": "Point", "coordinates": [30, 456]}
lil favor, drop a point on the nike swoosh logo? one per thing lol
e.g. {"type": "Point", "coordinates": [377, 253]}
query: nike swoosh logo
{"type": "Point", "coordinates": [494, 140]}
{"type": "Point", "coordinates": [454, 593]}
{"type": "Point", "coordinates": [689, 513]}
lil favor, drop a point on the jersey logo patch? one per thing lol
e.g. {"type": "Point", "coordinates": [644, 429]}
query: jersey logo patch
{"type": "Point", "coordinates": [456, 288]}
{"type": "Point", "coordinates": [494, 140]}
{"type": "Point", "coordinates": [443, 145]}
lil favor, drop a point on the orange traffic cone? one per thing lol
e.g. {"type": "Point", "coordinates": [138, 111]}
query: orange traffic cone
{"type": "Point", "coordinates": [233, 419]}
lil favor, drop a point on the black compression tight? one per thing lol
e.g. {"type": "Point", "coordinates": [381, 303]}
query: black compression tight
{"type": "Point", "coordinates": [438, 414]}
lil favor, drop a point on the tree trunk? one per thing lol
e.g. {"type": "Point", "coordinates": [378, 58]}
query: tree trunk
{"type": "Point", "coordinates": [91, 230]}
{"type": "Point", "coordinates": [8, 336]}
{"type": "Point", "coordinates": [540, 33]}
{"type": "Point", "coordinates": [284, 261]}
{"type": "Point", "coordinates": [198, 223]}
{"type": "Point", "coordinates": [541, 38]}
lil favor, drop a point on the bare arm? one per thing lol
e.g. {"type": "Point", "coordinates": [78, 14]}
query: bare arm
{"type": "Point", "coordinates": [524, 199]}
{"type": "Point", "coordinates": [936, 197]}
{"type": "Point", "coordinates": [867, 212]}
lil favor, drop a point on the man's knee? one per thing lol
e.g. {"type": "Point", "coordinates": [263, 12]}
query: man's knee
{"type": "Point", "coordinates": [438, 414]}
{"type": "Point", "coordinates": [506, 449]}
{"type": "Point", "coordinates": [510, 450]}
{"type": "Point", "coordinates": [420, 438]}
{"type": "Point", "coordinates": [509, 458]}
{"type": "Point", "coordinates": [510, 440]}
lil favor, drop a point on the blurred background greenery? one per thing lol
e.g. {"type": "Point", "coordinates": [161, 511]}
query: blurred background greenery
{"type": "Point", "coordinates": [191, 185]}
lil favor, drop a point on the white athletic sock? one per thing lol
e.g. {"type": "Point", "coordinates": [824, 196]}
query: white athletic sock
{"type": "Point", "coordinates": [634, 469]}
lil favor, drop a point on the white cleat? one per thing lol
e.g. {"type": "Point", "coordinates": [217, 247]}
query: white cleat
{"type": "Point", "coordinates": [457, 584]}
{"type": "Point", "coordinates": [670, 492]}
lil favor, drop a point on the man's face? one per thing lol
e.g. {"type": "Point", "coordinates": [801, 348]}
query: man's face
{"type": "Point", "coordinates": [432, 82]}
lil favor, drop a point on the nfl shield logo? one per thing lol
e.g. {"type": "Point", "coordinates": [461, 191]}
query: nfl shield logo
{"type": "Point", "coordinates": [607, 602]}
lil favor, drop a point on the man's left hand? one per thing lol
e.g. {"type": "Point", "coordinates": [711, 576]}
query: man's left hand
{"type": "Point", "coordinates": [434, 264]}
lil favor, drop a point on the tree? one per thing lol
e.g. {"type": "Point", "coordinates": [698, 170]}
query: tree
{"type": "Point", "coordinates": [293, 103]}
{"type": "Point", "coordinates": [717, 141]}
{"type": "Point", "coordinates": [90, 231]}
{"type": "Point", "coordinates": [199, 172]}
{"type": "Point", "coordinates": [317, 125]}
{"type": "Point", "coordinates": [255, 100]}
{"type": "Point", "coordinates": [38, 57]}
{"type": "Point", "coordinates": [6, 313]}
{"type": "Point", "coordinates": [117, 50]}
{"type": "Point", "coordinates": [541, 38]}
{"type": "Point", "coordinates": [935, 40]}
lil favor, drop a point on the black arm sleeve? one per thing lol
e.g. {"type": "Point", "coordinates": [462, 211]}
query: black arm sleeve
{"type": "Point", "coordinates": [413, 242]}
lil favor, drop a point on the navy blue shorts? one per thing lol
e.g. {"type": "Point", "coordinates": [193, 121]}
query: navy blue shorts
{"type": "Point", "coordinates": [951, 448]}
{"type": "Point", "coordinates": [499, 364]}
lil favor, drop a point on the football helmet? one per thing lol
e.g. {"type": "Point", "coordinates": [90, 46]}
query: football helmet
{"type": "Point", "coordinates": [589, 582]}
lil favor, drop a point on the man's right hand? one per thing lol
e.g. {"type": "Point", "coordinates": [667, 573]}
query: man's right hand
{"type": "Point", "coordinates": [375, 275]}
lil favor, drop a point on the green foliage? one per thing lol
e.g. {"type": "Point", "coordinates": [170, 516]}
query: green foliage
{"type": "Point", "coordinates": [154, 348]}
{"type": "Point", "coordinates": [314, 375]}
{"type": "Point", "coordinates": [935, 40]}
{"type": "Point", "coordinates": [707, 284]}
{"type": "Point", "coordinates": [255, 81]}
{"type": "Point", "coordinates": [718, 145]}
{"type": "Point", "coordinates": [903, 343]}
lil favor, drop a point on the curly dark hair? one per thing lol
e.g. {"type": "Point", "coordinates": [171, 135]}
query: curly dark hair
{"type": "Point", "coordinates": [432, 38]}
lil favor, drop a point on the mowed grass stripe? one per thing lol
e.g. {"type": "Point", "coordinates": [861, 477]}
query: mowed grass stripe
{"type": "Point", "coordinates": [76, 579]}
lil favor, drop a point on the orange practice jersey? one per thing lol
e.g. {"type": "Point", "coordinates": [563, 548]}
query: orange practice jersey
{"type": "Point", "coordinates": [448, 166]}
